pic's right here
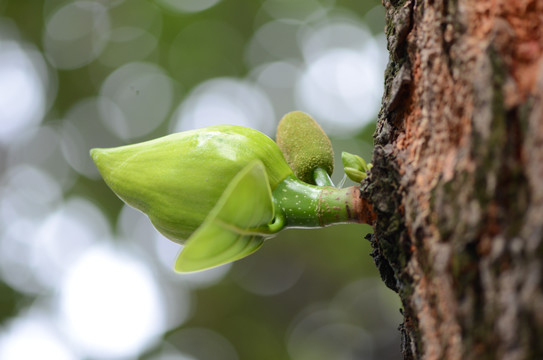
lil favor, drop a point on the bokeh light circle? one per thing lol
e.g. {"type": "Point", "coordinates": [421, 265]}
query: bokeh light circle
{"type": "Point", "coordinates": [225, 101]}
{"type": "Point", "coordinates": [23, 82]}
{"type": "Point", "coordinates": [187, 6]}
{"type": "Point", "coordinates": [36, 252]}
{"type": "Point", "coordinates": [300, 10]}
{"type": "Point", "coordinates": [343, 80]}
{"type": "Point", "coordinates": [76, 33]}
{"type": "Point", "coordinates": [327, 333]}
{"type": "Point", "coordinates": [82, 130]}
{"type": "Point", "coordinates": [202, 343]}
{"type": "Point", "coordinates": [33, 337]}
{"type": "Point", "coordinates": [127, 44]}
{"type": "Point", "coordinates": [110, 305]}
{"type": "Point", "coordinates": [341, 89]}
{"type": "Point", "coordinates": [140, 95]}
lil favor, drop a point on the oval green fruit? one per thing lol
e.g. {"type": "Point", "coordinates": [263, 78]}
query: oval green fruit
{"type": "Point", "coordinates": [305, 145]}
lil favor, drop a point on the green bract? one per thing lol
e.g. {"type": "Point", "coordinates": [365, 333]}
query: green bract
{"type": "Point", "coordinates": [211, 183]}
{"type": "Point", "coordinates": [234, 227]}
{"type": "Point", "coordinates": [354, 166]}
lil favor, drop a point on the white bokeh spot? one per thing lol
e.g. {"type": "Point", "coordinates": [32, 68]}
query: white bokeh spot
{"type": "Point", "coordinates": [76, 34]}
{"type": "Point", "coordinates": [140, 97]}
{"type": "Point", "coordinates": [188, 6]}
{"type": "Point", "coordinates": [110, 305]}
{"type": "Point", "coordinates": [343, 80]}
{"type": "Point", "coordinates": [22, 89]}
{"type": "Point", "coordinates": [33, 337]}
{"type": "Point", "coordinates": [225, 101]}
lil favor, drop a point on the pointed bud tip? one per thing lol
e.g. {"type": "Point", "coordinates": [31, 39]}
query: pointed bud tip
{"type": "Point", "coordinates": [100, 158]}
{"type": "Point", "coordinates": [352, 161]}
{"type": "Point", "coordinates": [95, 153]}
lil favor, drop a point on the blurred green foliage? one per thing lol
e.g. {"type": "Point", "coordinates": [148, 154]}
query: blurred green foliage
{"type": "Point", "coordinates": [273, 304]}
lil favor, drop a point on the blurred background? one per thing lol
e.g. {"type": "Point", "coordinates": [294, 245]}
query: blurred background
{"type": "Point", "coordinates": [84, 277]}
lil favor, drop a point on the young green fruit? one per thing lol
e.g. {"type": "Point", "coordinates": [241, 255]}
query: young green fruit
{"type": "Point", "coordinates": [305, 146]}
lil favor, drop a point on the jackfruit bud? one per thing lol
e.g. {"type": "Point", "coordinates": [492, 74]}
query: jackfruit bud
{"type": "Point", "coordinates": [305, 145]}
{"type": "Point", "coordinates": [178, 179]}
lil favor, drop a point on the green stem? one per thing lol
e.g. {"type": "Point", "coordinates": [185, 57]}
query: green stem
{"type": "Point", "coordinates": [322, 178]}
{"type": "Point", "coordinates": [298, 204]}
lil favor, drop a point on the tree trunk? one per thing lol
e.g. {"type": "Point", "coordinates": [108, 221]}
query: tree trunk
{"type": "Point", "coordinates": [457, 182]}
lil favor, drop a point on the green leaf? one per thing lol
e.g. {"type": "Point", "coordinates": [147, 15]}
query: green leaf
{"type": "Point", "coordinates": [237, 225]}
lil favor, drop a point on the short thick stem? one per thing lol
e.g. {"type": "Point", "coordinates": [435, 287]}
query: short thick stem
{"type": "Point", "coordinates": [322, 178]}
{"type": "Point", "coordinates": [299, 204]}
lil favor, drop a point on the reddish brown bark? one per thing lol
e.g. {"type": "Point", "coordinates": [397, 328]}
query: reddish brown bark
{"type": "Point", "coordinates": [457, 182]}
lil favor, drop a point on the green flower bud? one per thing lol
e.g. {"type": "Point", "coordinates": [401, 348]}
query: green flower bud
{"type": "Point", "coordinates": [355, 174]}
{"type": "Point", "coordinates": [354, 166]}
{"type": "Point", "coordinates": [305, 146]}
{"type": "Point", "coordinates": [353, 161]}
{"type": "Point", "coordinates": [222, 190]}
{"type": "Point", "coordinates": [178, 179]}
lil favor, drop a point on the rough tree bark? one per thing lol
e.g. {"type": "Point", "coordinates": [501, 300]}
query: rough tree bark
{"type": "Point", "coordinates": [457, 182]}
